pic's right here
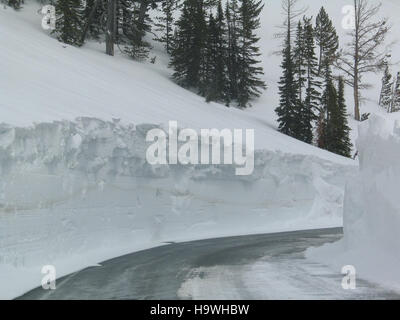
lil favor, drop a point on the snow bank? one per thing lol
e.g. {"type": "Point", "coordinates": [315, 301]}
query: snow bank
{"type": "Point", "coordinates": [73, 194]}
{"type": "Point", "coordinates": [372, 209]}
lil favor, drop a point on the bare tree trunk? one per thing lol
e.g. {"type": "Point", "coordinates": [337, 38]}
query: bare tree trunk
{"type": "Point", "coordinates": [356, 62]}
{"type": "Point", "coordinates": [356, 84]}
{"type": "Point", "coordinates": [367, 52]}
{"type": "Point", "coordinates": [357, 115]}
{"type": "Point", "coordinates": [111, 24]}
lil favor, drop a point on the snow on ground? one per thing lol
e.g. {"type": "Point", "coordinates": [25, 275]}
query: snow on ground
{"type": "Point", "coordinates": [74, 186]}
{"type": "Point", "coordinates": [59, 81]}
{"type": "Point", "coordinates": [264, 280]}
{"type": "Point", "coordinates": [285, 276]}
{"type": "Point", "coordinates": [43, 80]}
{"type": "Point", "coordinates": [371, 209]}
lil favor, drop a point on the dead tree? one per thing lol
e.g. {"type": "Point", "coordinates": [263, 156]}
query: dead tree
{"type": "Point", "coordinates": [364, 53]}
{"type": "Point", "coordinates": [291, 12]}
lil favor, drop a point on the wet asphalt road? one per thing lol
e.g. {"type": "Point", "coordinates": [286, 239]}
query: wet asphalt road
{"type": "Point", "coordinates": [158, 273]}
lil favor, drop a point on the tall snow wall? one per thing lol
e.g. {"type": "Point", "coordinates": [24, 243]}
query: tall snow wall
{"type": "Point", "coordinates": [73, 194]}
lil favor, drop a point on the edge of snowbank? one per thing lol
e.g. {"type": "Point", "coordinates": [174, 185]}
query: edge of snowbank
{"type": "Point", "coordinates": [371, 240]}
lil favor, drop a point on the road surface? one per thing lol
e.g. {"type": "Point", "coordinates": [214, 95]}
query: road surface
{"type": "Point", "coordinates": [270, 266]}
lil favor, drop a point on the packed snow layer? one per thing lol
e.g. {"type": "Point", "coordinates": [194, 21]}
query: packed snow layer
{"type": "Point", "coordinates": [371, 208]}
{"type": "Point", "coordinates": [75, 193]}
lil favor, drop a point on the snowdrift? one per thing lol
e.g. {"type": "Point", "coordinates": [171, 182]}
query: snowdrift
{"type": "Point", "coordinates": [73, 194]}
{"type": "Point", "coordinates": [371, 208]}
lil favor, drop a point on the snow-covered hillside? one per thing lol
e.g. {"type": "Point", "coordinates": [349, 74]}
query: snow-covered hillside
{"type": "Point", "coordinates": [75, 188]}
{"type": "Point", "coordinates": [59, 80]}
{"type": "Point", "coordinates": [44, 80]}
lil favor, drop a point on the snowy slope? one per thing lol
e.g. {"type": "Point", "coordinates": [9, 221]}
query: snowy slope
{"type": "Point", "coordinates": [59, 81]}
{"type": "Point", "coordinates": [42, 80]}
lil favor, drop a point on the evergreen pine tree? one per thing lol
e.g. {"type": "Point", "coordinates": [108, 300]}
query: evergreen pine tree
{"type": "Point", "coordinates": [249, 83]}
{"type": "Point", "coordinates": [69, 21]}
{"type": "Point", "coordinates": [165, 23]}
{"type": "Point", "coordinates": [300, 80]}
{"type": "Point", "coordinates": [96, 27]}
{"type": "Point", "coordinates": [326, 38]}
{"type": "Point", "coordinates": [221, 68]}
{"type": "Point", "coordinates": [395, 107]}
{"type": "Point", "coordinates": [299, 61]}
{"type": "Point", "coordinates": [344, 145]}
{"type": "Point", "coordinates": [323, 118]}
{"type": "Point", "coordinates": [320, 130]}
{"type": "Point", "coordinates": [336, 135]}
{"type": "Point", "coordinates": [125, 22]}
{"type": "Point", "coordinates": [313, 98]}
{"type": "Point", "coordinates": [131, 29]}
{"type": "Point", "coordinates": [187, 56]}
{"type": "Point", "coordinates": [180, 54]}
{"type": "Point", "coordinates": [208, 66]}
{"type": "Point", "coordinates": [332, 106]}
{"type": "Point", "coordinates": [287, 90]}
{"type": "Point", "coordinates": [231, 13]}
{"type": "Point", "coordinates": [385, 99]}
{"type": "Point", "coordinates": [217, 82]}
{"type": "Point", "coordinates": [16, 4]}
{"type": "Point", "coordinates": [219, 58]}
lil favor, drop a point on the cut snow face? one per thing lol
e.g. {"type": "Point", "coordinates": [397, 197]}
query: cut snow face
{"type": "Point", "coordinates": [210, 146]}
{"type": "Point", "coordinates": [371, 208]}
{"type": "Point", "coordinates": [73, 194]}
